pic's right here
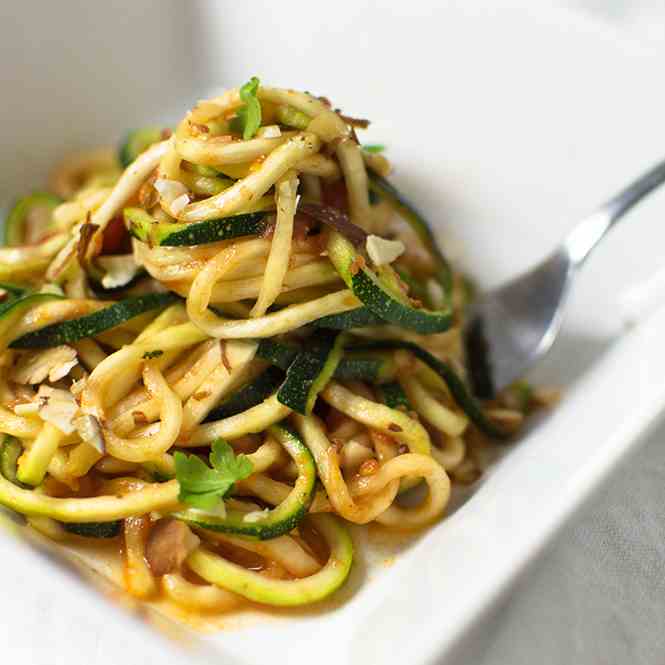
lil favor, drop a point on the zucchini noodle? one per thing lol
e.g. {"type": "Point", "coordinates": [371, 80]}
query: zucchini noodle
{"type": "Point", "coordinates": [139, 579]}
{"type": "Point", "coordinates": [280, 248]}
{"type": "Point", "coordinates": [221, 345]}
{"type": "Point", "coordinates": [143, 449]}
{"type": "Point", "coordinates": [392, 422]}
{"type": "Point", "coordinates": [276, 164]}
{"type": "Point", "coordinates": [184, 379]}
{"type": "Point", "coordinates": [129, 183]}
{"type": "Point", "coordinates": [198, 597]}
{"type": "Point", "coordinates": [285, 550]}
{"type": "Point", "coordinates": [333, 480]}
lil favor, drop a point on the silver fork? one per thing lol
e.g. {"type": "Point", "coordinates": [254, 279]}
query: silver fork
{"type": "Point", "coordinates": [511, 328]}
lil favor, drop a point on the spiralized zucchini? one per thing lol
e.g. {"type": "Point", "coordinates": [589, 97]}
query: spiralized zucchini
{"type": "Point", "coordinates": [203, 354]}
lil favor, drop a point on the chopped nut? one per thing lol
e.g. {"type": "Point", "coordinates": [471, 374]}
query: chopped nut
{"type": "Point", "coordinates": [383, 251]}
{"type": "Point", "coordinates": [119, 270]}
{"type": "Point", "coordinates": [179, 204]}
{"type": "Point", "coordinates": [36, 366]}
{"type": "Point", "coordinates": [171, 191]}
{"type": "Point", "coordinates": [269, 132]}
{"type": "Point", "coordinates": [202, 394]}
{"type": "Point", "coordinates": [91, 432]}
{"type": "Point", "coordinates": [170, 542]}
{"type": "Point", "coordinates": [57, 407]}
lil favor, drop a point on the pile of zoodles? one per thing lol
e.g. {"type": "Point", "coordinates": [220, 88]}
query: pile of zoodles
{"type": "Point", "coordinates": [222, 343]}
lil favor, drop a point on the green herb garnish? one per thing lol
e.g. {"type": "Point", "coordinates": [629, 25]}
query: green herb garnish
{"type": "Point", "coordinates": [203, 487]}
{"type": "Point", "coordinates": [149, 355]}
{"type": "Point", "coordinates": [374, 148]}
{"type": "Point", "coordinates": [248, 117]}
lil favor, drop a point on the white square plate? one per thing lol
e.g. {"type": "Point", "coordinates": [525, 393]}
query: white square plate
{"type": "Point", "coordinates": [505, 125]}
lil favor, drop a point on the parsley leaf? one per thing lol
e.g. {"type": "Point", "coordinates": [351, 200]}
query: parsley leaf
{"type": "Point", "coordinates": [148, 355]}
{"type": "Point", "coordinates": [374, 148]}
{"type": "Point", "coordinates": [248, 117]}
{"type": "Point", "coordinates": [203, 487]}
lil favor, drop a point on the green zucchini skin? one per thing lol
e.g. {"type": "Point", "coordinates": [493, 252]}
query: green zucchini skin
{"type": "Point", "coordinates": [393, 395]}
{"type": "Point", "coordinates": [14, 226]}
{"type": "Point", "coordinates": [142, 226]}
{"type": "Point", "coordinates": [281, 354]}
{"type": "Point", "coordinates": [281, 519]}
{"type": "Point", "coordinates": [22, 301]}
{"type": "Point", "coordinates": [380, 293]}
{"type": "Point", "coordinates": [390, 309]}
{"type": "Point", "coordinates": [10, 450]}
{"type": "Point", "coordinates": [384, 189]}
{"type": "Point", "coordinates": [14, 290]}
{"type": "Point", "coordinates": [67, 332]}
{"type": "Point", "coordinates": [12, 310]}
{"type": "Point", "coordinates": [291, 593]}
{"type": "Point", "coordinates": [136, 142]}
{"type": "Point", "coordinates": [250, 395]}
{"type": "Point", "coordinates": [93, 529]}
{"type": "Point", "coordinates": [310, 371]}
{"type": "Point", "coordinates": [465, 400]}
{"type": "Point", "coordinates": [373, 368]}
{"type": "Point", "coordinates": [355, 318]}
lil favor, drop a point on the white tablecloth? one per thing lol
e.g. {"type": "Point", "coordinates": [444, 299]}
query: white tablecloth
{"type": "Point", "coordinates": [597, 594]}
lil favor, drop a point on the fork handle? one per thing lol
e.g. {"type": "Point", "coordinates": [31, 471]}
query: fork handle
{"type": "Point", "coordinates": [591, 230]}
